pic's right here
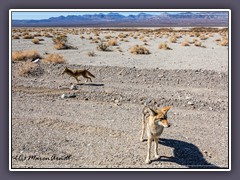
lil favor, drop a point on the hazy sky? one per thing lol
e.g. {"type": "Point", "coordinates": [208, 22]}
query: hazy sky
{"type": "Point", "coordinates": [46, 15]}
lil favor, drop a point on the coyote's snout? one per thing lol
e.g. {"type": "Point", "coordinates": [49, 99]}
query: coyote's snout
{"type": "Point", "coordinates": [76, 73]}
{"type": "Point", "coordinates": [154, 120]}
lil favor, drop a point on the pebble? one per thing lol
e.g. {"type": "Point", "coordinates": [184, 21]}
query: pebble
{"type": "Point", "coordinates": [68, 96]}
{"type": "Point", "coordinates": [187, 97]}
{"type": "Point", "coordinates": [190, 103]}
{"type": "Point", "coordinates": [73, 87]}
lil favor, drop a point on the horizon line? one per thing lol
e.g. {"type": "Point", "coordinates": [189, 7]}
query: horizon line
{"type": "Point", "coordinates": [43, 15]}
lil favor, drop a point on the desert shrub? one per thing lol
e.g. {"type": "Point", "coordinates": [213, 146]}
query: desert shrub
{"type": "Point", "coordinates": [15, 37]}
{"type": "Point", "coordinates": [138, 49]}
{"type": "Point", "coordinates": [95, 41]}
{"type": "Point", "coordinates": [172, 39]}
{"type": "Point", "coordinates": [37, 35]}
{"type": "Point", "coordinates": [59, 39]}
{"type": "Point", "coordinates": [96, 33]}
{"type": "Point", "coordinates": [30, 68]}
{"type": "Point", "coordinates": [47, 35]}
{"type": "Point", "coordinates": [103, 47]}
{"type": "Point", "coordinates": [25, 33]}
{"type": "Point", "coordinates": [60, 42]}
{"type": "Point", "coordinates": [119, 49]}
{"type": "Point", "coordinates": [211, 35]}
{"type": "Point", "coordinates": [122, 35]}
{"type": "Point", "coordinates": [197, 43]}
{"type": "Point", "coordinates": [35, 41]}
{"type": "Point", "coordinates": [185, 43]}
{"type": "Point", "coordinates": [141, 37]}
{"type": "Point", "coordinates": [178, 36]}
{"type": "Point", "coordinates": [26, 68]}
{"type": "Point", "coordinates": [54, 58]}
{"type": "Point", "coordinates": [197, 34]}
{"type": "Point", "coordinates": [91, 54]}
{"type": "Point", "coordinates": [164, 46]}
{"type": "Point", "coordinates": [224, 42]}
{"type": "Point", "coordinates": [25, 55]}
{"type": "Point", "coordinates": [203, 37]}
{"type": "Point", "coordinates": [112, 42]}
{"type": "Point", "coordinates": [97, 38]}
{"type": "Point", "coordinates": [28, 36]}
{"type": "Point", "coordinates": [107, 36]}
{"type": "Point", "coordinates": [60, 46]}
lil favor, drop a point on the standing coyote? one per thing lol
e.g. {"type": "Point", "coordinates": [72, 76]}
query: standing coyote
{"type": "Point", "coordinates": [154, 120]}
{"type": "Point", "coordinates": [76, 73]}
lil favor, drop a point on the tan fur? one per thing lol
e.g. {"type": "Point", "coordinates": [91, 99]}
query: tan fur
{"type": "Point", "coordinates": [154, 120]}
{"type": "Point", "coordinates": [76, 73]}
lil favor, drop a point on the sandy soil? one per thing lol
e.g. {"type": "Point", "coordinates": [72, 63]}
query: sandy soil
{"type": "Point", "coordinates": [101, 126]}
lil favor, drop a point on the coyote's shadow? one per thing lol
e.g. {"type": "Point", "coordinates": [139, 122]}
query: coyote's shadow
{"type": "Point", "coordinates": [186, 154]}
{"type": "Point", "coordinates": [90, 84]}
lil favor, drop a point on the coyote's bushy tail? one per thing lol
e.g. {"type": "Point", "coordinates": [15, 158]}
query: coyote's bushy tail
{"type": "Point", "coordinates": [90, 74]}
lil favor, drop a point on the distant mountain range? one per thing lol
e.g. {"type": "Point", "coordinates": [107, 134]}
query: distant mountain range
{"type": "Point", "coordinates": [114, 19]}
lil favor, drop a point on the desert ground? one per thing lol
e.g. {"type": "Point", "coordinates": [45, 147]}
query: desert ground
{"type": "Point", "coordinates": [100, 126]}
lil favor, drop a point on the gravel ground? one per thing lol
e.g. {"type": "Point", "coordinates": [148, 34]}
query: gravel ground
{"type": "Point", "coordinates": [101, 126]}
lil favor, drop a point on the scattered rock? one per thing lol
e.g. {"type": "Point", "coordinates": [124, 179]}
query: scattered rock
{"type": "Point", "coordinates": [73, 87]}
{"type": "Point", "coordinates": [63, 96]}
{"type": "Point", "coordinates": [190, 103]}
{"type": "Point", "coordinates": [116, 101]}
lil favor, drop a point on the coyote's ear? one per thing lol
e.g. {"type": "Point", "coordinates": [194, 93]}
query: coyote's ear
{"type": "Point", "coordinates": [152, 112]}
{"type": "Point", "coordinates": [165, 109]}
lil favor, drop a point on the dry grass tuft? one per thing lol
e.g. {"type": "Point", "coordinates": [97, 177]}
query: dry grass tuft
{"type": "Point", "coordinates": [108, 37]}
{"type": "Point", "coordinates": [59, 39]}
{"type": "Point", "coordinates": [112, 42]}
{"type": "Point", "coordinates": [138, 49]}
{"type": "Point", "coordinates": [122, 35]}
{"type": "Point", "coordinates": [35, 41]}
{"type": "Point", "coordinates": [197, 34]}
{"type": "Point", "coordinates": [54, 58]}
{"type": "Point", "coordinates": [91, 54]}
{"type": "Point", "coordinates": [60, 42]}
{"type": "Point", "coordinates": [60, 46]}
{"type": "Point", "coordinates": [103, 47]}
{"type": "Point", "coordinates": [197, 43]}
{"type": "Point", "coordinates": [47, 35]}
{"type": "Point", "coordinates": [27, 68]}
{"type": "Point", "coordinates": [185, 43]}
{"type": "Point", "coordinates": [28, 36]}
{"type": "Point", "coordinates": [15, 37]}
{"type": "Point", "coordinates": [224, 42]}
{"type": "Point", "coordinates": [172, 39]}
{"type": "Point", "coordinates": [164, 46]}
{"type": "Point", "coordinates": [25, 55]}
{"type": "Point", "coordinates": [203, 37]}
